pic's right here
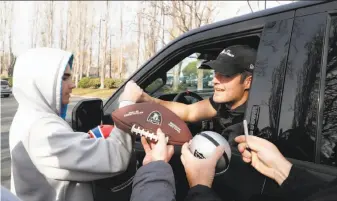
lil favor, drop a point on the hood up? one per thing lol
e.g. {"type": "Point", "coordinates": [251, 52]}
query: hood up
{"type": "Point", "coordinates": [37, 80]}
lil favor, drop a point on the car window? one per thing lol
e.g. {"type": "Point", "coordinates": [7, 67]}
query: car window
{"type": "Point", "coordinates": [267, 85]}
{"type": "Point", "coordinates": [328, 135]}
{"type": "Point", "coordinates": [185, 76]}
{"type": "Point", "coordinates": [298, 118]}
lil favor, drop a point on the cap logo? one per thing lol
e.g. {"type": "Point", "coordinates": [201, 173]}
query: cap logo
{"type": "Point", "coordinates": [227, 52]}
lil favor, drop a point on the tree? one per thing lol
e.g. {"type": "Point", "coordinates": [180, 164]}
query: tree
{"type": "Point", "coordinates": [139, 22]}
{"type": "Point", "coordinates": [104, 43]}
{"type": "Point", "coordinates": [44, 24]}
{"type": "Point", "coordinates": [191, 69]}
{"type": "Point", "coordinates": [2, 38]}
{"type": "Point", "coordinates": [120, 65]}
{"type": "Point", "coordinates": [184, 16]}
{"type": "Point", "coordinates": [74, 36]}
{"type": "Point", "coordinates": [115, 60]}
{"type": "Point", "coordinates": [151, 25]}
{"type": "Point", "coordinates": [90, 40]}
{"type": "Point", "coordinates": [6, 33]}
{"type": "Point", "coordinates": [50, 22]}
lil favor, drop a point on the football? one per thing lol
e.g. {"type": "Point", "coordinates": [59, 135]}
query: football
{"type": "Point", "coordinates": [143, 119]}
{"type": "Point", "coordinates": [203, 146]}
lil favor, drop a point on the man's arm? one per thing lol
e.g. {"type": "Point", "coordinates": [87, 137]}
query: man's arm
{"type": "Point", "coordinates": [154, 182]}
{"type": "Point", "coordinates": [264, 156]}
{"type": "Point", "coordinates": [300, 184]}
{"type": "Point", "coordinates": [201, 193]}
{"type": "Point", "coordinates": [191, 113]}
{"type": "Point", "coordinates": [200, 180]}
{"type": "Point", "coordinates": [62, 154]}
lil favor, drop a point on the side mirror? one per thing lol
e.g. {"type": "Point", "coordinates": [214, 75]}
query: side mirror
{"type": "Point", "coordinates": [156, 85]}
{"type": "Point", "coordinates": [87, 114]}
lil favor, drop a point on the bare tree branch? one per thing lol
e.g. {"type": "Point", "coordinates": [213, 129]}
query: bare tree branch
{"type": "Point", "coordinates": [250, 7]}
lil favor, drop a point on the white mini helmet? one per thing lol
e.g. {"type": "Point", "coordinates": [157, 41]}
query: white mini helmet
{"type": "Point", "coordinates": [203, 146]}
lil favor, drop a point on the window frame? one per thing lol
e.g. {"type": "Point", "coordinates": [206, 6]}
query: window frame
{"type": "Point", "coordinates": [321, 96]}
{"type": "Point", "coordinates": [208, 33]}
{"type": "Point", "coordinates": [171, 60]}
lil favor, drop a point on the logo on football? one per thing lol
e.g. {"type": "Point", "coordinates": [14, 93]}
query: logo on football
{"type": "Point", "coordinates": [131, 113]}
{"type": "Point", "coordinates": [155, 118]}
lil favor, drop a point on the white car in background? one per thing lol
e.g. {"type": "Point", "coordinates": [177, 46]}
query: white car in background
{"type": "Point", "coordinates": [6, 91]}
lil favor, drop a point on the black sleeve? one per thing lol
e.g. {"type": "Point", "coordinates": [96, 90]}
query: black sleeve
{"type": "Point", "coordinates": [201, 193]}
{"type": "Point", "coordinates": [214, 104]}
{"type": "Point", "coordinates": [154, 182]}
{"type": "Point", "coordinates": [300, 184]}
{"type": "Point", "coordinates": [327, 193]}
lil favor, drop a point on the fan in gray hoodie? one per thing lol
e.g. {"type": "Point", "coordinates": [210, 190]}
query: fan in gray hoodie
{"type": "Point", "coordinates": [49, 160]}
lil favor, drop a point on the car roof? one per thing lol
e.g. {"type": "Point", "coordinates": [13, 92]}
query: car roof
{"type": "Point", "coordinates": [262, 13]}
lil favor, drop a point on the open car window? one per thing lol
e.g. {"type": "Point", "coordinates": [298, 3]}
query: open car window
{"type": "Point", "coordinates": [184, 76]}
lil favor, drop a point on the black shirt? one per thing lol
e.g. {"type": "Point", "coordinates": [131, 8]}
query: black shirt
{"type": "Point", "coordinates": [300, 186]}
{"type": "Point", "coordinates": [227, 122]}
{"type": "Point", "coordinates": [201, 193]}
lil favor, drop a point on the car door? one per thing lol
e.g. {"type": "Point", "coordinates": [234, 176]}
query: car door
{"type": "Point", "coordinates": [264, 98]}
{"type": "Point", "coordinates": [298, 113]}
{"type": "Point", "coordinates": [241, 181]}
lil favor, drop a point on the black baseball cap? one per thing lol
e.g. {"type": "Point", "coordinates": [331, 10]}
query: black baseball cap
{"type": "Point", "coordinates": [233, 60]}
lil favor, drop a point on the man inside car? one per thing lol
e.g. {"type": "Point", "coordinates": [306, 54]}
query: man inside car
{"type": "Point", "coordinates": [232, 80]}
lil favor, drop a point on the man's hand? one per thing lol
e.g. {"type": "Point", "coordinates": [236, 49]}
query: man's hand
{"type": "Point", "coordinates": [264, 157]}
{"type": "Point", "coordinates": [132, 92]}
{"type": "Point", "coordinates": [145, 98]}
{"type": "Point", "coordinates": [200, 171]}
{"type": "Point", "coordinates": [159, 151]}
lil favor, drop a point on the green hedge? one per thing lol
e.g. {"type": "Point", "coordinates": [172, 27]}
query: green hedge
{"type": "Point", "coordinates": [111, 83]}
{"type": "Point", "coordinates": [95, 83]}
{"type": "Point", "coordinates": [84, 83]}
{"type": "Point", "coordinates": [10, 81]}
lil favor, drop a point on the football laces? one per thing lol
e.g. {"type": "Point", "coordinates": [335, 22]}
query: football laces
{"type": "Point", "coordinates": [147, 134]}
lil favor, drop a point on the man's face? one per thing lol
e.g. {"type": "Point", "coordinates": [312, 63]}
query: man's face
{"type": "Point", "coordinates": [229, 89]}
{"type": "Point", "coordinates": [67, 85]}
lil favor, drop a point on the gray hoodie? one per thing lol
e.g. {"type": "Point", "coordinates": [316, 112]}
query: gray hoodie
{"type": "Point", "coordinates": [49, 160]}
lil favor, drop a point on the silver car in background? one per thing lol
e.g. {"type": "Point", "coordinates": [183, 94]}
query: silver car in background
{"type": "Point", "coordinates": [6, 91]}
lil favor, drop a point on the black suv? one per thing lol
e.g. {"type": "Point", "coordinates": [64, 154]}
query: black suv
{"type": "Point", "coordinates": [292, 101]}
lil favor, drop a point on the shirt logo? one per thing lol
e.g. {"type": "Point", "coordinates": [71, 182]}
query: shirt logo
{"type": "Point", "coordinates": [251, 66]}
{"type": "Point", "coordinates": [155, 118]}
{"type": "Point", "coordinates": [227, 52]}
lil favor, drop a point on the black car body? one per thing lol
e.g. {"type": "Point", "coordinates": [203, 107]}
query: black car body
{"type": "Point", "coordinates": [292, 101]}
